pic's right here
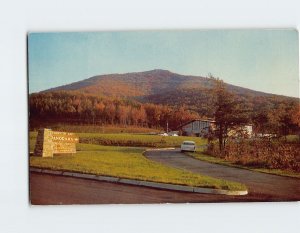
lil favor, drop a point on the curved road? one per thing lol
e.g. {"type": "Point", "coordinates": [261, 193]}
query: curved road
{"type": "Point", "coordinates": [272, 187]}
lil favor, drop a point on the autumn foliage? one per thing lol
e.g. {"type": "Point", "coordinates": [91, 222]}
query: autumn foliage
{"type": "Point", "coordinates": [261, 153]}
{"type": "Point", "coordinates": [78, 108]}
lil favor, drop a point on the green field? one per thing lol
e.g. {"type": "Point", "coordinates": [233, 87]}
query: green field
{"type": "Point", "coordinates": [127, 162]}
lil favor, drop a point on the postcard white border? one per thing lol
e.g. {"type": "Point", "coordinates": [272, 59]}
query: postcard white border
{"type": "Point", "coordinates": [20, 17]}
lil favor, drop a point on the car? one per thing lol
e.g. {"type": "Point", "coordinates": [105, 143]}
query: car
{"type": "Point", "coordinates": [173, 133]}
{"type": "Point", "coordinates": [188, 146]}
{"type": "Point", "coordinates": [163, 134]}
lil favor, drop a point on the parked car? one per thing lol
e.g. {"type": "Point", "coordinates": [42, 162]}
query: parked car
{"type": "Point", "coordinates": [173, 133]}
{"type": "Point", "coordinates": [188, 146]}
{"type": "Point", "coordinates": [163, 134]}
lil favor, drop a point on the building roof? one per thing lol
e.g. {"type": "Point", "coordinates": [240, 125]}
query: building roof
{"type": "Point", "coordinates": [198, 119]}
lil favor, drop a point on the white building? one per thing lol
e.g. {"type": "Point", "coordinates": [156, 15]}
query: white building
{"type": "Point", "coordinates": [198, 127]}
{"type": "Point", "coordinates": [201, 127]}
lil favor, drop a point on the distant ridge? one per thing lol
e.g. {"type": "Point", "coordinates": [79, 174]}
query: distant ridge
{"type": "Point", "coordinates": [148, 83]}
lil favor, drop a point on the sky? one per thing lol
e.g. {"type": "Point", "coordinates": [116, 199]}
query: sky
{"type": "Point", "coordinates": [263, 60]}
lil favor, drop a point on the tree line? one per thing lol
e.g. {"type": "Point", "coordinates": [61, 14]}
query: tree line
{"type": "Point", "coordinates": [66, 107]}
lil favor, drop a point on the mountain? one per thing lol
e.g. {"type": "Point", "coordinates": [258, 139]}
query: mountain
{"type": "Point", "coordinates": [140, 84]}
{"type": "Point", "coordinates": [167, 88]}
{"type": "Point", "coordinates": [135, 84]}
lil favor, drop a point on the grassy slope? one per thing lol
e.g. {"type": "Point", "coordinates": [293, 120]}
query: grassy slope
{"type": "Point", "coordinates": [204, 157]}
{"type": "Point", "coordinates": [127, 162]}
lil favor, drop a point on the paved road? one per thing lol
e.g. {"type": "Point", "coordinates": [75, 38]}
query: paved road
{"type": "Point", "coordinates": [259, 184]}
{"type": "Point", "coordinates": [54, 189]}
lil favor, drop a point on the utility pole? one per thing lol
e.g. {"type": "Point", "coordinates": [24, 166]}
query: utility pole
{"type": "Point", "coordinates": [167, 126]}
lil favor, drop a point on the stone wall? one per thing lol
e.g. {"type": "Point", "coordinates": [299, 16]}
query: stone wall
{"type": "Point", "coordinates": [50, 142]}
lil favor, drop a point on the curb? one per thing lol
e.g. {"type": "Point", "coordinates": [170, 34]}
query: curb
{"type": "Point", "coordinates": [150, 184]}
{"type": "Point", "coordinates": [167, 148]}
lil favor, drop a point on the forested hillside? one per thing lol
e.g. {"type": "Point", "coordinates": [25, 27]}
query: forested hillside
{"type": "Point", "coordinates": [201, 100]}
{"type": "Point", "coordinates": [80, 108]}
{"type": "Point", "coordinates": [141, 84]}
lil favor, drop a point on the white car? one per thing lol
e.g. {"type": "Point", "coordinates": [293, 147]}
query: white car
{"type": "Point", "coordinates": [173, 134]}
{"type": "Point", "coordinates": [163, 134]}
{"type": "Point", "coordinates": [188, 146]}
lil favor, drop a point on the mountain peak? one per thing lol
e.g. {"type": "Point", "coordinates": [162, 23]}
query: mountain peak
{"type": "Point", "coordinates": [158, 71]}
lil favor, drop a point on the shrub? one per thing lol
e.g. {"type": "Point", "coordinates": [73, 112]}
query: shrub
{"type": "Point", "coordinates": [111, 142]}
{"type": "Point", "coordinates": [260, 153]}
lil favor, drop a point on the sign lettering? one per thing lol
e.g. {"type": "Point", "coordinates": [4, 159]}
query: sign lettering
{"type": "Point", "coordinates": [54, 142]}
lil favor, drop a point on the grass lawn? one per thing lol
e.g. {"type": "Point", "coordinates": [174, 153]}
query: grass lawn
{"type": "Point", "coordinates": [127, 162]}
{"type": "Point", "coordinates": [204, 157]}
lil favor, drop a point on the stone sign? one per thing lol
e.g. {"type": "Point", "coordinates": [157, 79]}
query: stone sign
{"type": "Point", "coordinates": [50, 142]}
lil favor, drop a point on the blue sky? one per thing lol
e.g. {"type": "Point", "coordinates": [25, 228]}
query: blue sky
{"type": "Point", "coordinates": [263, 60]}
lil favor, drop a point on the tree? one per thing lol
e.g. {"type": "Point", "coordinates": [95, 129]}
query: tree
{"type": "Point", "coordinates": [110, 112]}
{"type": "Point", "coordinates": [230, 112]}
{"type": "Point", "coordinates": [122, 113]}
{"type": "Point", "coordinates": [153, 114]}
{"type": "Point", "coordinates": [283, 119]}
{"type": "Point", "coordinates": [99, 110]}
{"type": "Point", "coordinates": [295, 113]}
